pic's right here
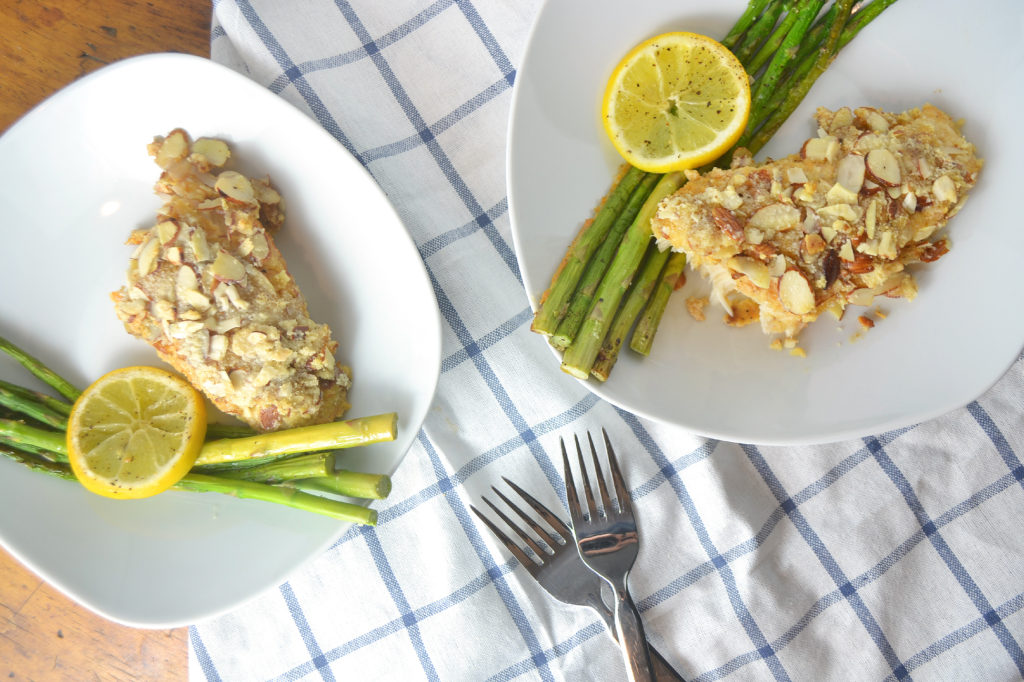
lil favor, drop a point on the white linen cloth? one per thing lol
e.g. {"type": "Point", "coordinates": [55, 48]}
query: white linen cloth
{"type": "Point", "coordinates": [897, 556]}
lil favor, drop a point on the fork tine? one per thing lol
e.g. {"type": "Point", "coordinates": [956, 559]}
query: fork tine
{"type": "Point", "coordinates": [587, 490]}
{"type": "Point", "coordinates": [512, 547]}
{"type": "Point", "coordinates": [572, 496]}
{"type": "Point", "coordinates": [601, 485]}
{"type": "Point", "coordinates": [621, 491]}
{"type": "Point", "coordinates": [530, 542]}
{"type": "Point", "coordinates": [529, 520]}
{"type": "Point", "coordinates": [556, 523]}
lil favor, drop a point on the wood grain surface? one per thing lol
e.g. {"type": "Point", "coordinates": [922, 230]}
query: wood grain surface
{"type": "Point", "coordinates": [45, 46]}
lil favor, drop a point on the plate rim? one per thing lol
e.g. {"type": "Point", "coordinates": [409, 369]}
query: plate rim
{"type": "Point", "coordinates": [822, 435]}
{"type": "Point", "coordinates": [433, 334]}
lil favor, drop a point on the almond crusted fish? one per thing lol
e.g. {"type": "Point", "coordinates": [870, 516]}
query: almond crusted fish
{"type": "Point", "coordinates": [209, 290]}
{"type": "Point", "coordinates": [834, 225]}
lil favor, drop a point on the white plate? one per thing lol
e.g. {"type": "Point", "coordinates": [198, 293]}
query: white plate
{"type": "Point", "coordinates": [75, 179]}
{"type": "Point", "coordinates": [927, 357]}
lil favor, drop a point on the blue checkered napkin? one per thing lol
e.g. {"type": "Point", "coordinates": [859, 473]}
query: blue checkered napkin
{"type": "Point", "coordinates": [891, 557]}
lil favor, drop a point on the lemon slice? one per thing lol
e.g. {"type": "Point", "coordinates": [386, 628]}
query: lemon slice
{"type": "Point", "coordinates": [676, 101]}
{"type": "Point", "coordinates": [135, 432]}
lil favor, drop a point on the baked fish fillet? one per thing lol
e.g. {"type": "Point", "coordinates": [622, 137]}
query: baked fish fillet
{"type": "Point", "coordinates": [836, 224]}
{"type": "Point", "coordinates": [209, 290]}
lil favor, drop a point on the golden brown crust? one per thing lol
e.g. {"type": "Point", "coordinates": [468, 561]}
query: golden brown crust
{"type": "Point", "coordinates": [209, 290]}
{"type": "Point", "coordinates": [836, 224]}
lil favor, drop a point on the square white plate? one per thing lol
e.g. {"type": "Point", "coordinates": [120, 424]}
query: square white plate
{"type": "Point", "coordinates": [928, 356]}
{"type": "Point", "coordinates": [75, 179]}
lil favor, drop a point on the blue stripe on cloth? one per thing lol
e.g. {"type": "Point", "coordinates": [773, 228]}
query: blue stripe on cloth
{"type": "Point", "coordinates": [487, 340]}
{"type": "Point", "coordinates": [445, 239]}
{"type": "Point", "coordinates": [957, 568]}
{"type": "Point", "coordinates": [867, 577]}
{"type": "Point", "coordinates": [559, 650]}
{"type": "Point", "coordinates": [202, 655]}
{"type": "Point", "coordinates": [393, 36]}
{"type": "Point", "coordinates": [398, 596]}
{"type": "Point", "coordinates": [469, 527]}
{"type": "Point", "coordinates": [401, 623]}
{"type": "Point", "coordinates": [746, 619]}
{"type": "Point", "coordinates": [747, 546]}
{"type": "Point", "coordinates": [305, 90]}
{"type": "Point", "coordinates": [998, 439]}
{"type": "Point", "coordinates": [440, 157]}
{"type": "Point", "coordinates": [961, 635]}
{"type": "Point", "coordinates": [317, 659]}
{"type": "Point", "coordinates": [435, 129]}
{"type": "Point", "coordinates": [825, 557]}
{"type": "Point", "coordinates": [501, 60]}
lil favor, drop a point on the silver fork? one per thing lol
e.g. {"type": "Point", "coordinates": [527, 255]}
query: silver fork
{"type": "Point", "coordinates": [558, 567]}
{"type": "Point", "coordinates": [608, 543]}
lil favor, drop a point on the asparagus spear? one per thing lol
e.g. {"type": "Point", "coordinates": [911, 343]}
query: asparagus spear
{"type": "Point", "coordinates": [796, 26]}
{"type": "Point", "coordinates": [796, 93]}
{"type": "Point", "coordinates": [17, 433]}
{"type": "Point", "coordinates": [28, 403]}
{"type": "Point", "coordinates": [584, 296]}
{"type": "Point", "coordinates": [749, 16]}
{"type": "Point", "coordinates": [276, 470]}
{"type": "Point", "coordinates": [580, 356]}
{"type": "Point", "coordinates": [556, 300]}
{"type": "Point", "coordinates": [297, 499]}
{"type": "Point", "coordinates": [643, 335]}
{"type": "Point", "coordinates": [290, 497]}
{"type": "Point", "coordinates": [348, 483]}
{"type": "Point", "coordinates": [641, 290]}
{"type": "Point", "coordinates": [760, 30]}
{"type": "Point", "coordinates": [36, 366]}
{"type": "Point", "coordinates": [340, 434]}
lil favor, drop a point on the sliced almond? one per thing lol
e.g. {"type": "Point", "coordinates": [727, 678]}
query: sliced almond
{"type": "Point", "coordinates": [148, 255]}
{"type": "Point", "coordinates": [187, 280]}
{"type": "Point", "coordinates": [173, 254]}
{"type": "Point", "coordinates": [847, 212]}
{"type": "Point", "coordinates": [820, 149]}
{"type": "Point", "coordinates": [260, 246]}
{"type": "Point", "coordinates": [910, 202]}
{"type": "Point", "coordinates": [874, 120]}
{"type": "Point", "coordinates": [173, 148]}
{"type": "Point", "coordinates": [795, 293]}
{"type": "Point", "coordinates": [227, 268]}
{"type": "Point", "coordinates": [754, 269]}
{"type": "Point", "coordinates": [267, 194]}
{"type": "Point", "coordinates": [883, 167]}
{"type": "Point", "coordinates": [846, 251]}
{"type": "Point", "coordinates": [850, 172]}
{"type": "Point", "coordinates": [216, 152]}
{"type": "Point", "coordinates": [235, 187]}
{"type": "Point", "coordinates": [837, 194]}
{"type": "Point", "coordinates": [777, 217]}
{"type": "Point", "coordinates": [871, 219]}
{"type": "Point", "coordinates": [167, 231]}
{"type": "Point", "coordinates": [234, 297]}
{"type": "Point", "coordinates": [200, 247]}
{"type": "Point", "coordinates": [796, 175]}
{"type": "Point", "coordinates": [218, 347]}
{"type": "Point", "coordinates": [944, 189]}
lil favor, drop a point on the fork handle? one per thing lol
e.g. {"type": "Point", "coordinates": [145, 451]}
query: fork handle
{"type": "Point", "coordinates": [632, 639]}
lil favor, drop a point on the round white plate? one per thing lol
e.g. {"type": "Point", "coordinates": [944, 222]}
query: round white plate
{"type": "Point", "coordinates": [926, 357]}
{"type": "Point", "coordinates": [75, 179]}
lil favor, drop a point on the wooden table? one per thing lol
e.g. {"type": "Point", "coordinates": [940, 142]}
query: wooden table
{"type": "Point", "coordinates": [45, 46]}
